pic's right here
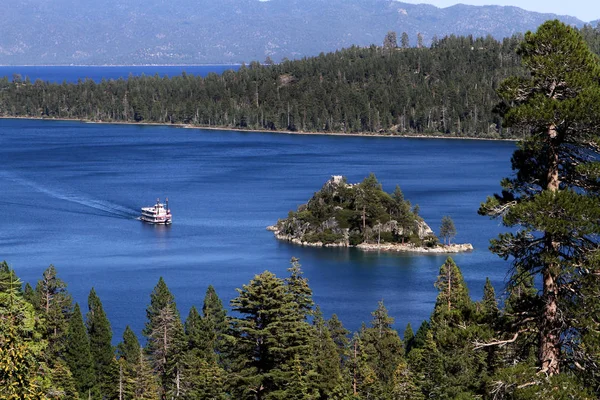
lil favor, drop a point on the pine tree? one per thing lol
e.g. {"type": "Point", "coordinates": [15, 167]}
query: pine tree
{"type": "Point", "coordinates": [453, 297]}
{"type": "Point", "coordinates": [339, 335]}
{"type": "Point", "coordinates": [214, 322]}
{"type": "Point", "coordinates": [129, 353]}
{"type": "Point", "coordinates": [404, 386]}
{"type": "Point", "coordinates": [405, 40]}
{"type": "Point", "coordinates": [56, 304]}
{"type": "Point", "coordinates": [489, 301]}
{"type": "Point", "coordinates": [426, 362]}
{"type": "Point", "coordinates": [19, 355]}
{"type": "Point", "coordinates": [382, 346]}
{"type": "Point", "coordinates": [552, 198]}
{"type": "Point", "coordinates": [408, 338]}
{"type": "Point", "coordinates": [146, 386]}
{"type": "Point", "coordinates": [79, 356]}
{"type": "Point", "coordinates": [166, 337]}
{"type": "Point", "coordinates": [447, 229]}
{"type": "Point", "coordinates": [196, 336]}
{"type": "Point", "coordinates": [327, 372]}
{"type": "Point", "coordinates": [129, 348]}
{"type": "Point", "coordinates": [63, 384]}
{"type": "Point", "coordinates": [454, 328]}
{"type": "Point", "coordinates": [269, 336]}
{"type": "Point", "coordinates": [100, 337]}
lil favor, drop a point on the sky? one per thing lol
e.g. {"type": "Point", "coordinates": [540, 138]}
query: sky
{"type": "Point", "coordinates": [585, 10]}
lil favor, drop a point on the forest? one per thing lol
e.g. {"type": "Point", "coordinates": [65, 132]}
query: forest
{"type": "Point", "coordinates": [448, 89]}
{"type": "Point", "coordinates": [539, 340]}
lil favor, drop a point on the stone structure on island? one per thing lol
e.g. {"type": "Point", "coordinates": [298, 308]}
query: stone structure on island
{"type": "Point", "coordinates": [360, 215]}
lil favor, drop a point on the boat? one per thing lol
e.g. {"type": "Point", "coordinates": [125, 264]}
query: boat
{"type": "Point", "coordinates": [157, 214]}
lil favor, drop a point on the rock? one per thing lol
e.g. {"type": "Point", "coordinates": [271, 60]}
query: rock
{"type": "Point", "coordinates": [453, 248]}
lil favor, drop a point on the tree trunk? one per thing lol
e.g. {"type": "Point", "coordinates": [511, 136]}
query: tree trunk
{"type": "Point", "coordinates": [549, 355]}
{"type": "Point", "coordinates": [549, 339]}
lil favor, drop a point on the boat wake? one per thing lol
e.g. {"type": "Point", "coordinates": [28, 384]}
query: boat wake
{"type": "Point", "coordinates": [101, 207]}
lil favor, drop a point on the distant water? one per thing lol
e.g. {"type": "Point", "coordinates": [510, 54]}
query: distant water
{"type": "Point", "coordinates": [72, 74]}
{"type": "Point", "coordinates": [71, 192]}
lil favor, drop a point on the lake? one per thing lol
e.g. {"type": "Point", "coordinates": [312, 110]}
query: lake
{"type": "Point", "coordinates": [71, 192]}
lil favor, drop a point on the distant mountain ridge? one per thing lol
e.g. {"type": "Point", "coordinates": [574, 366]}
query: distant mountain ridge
{"type": "Point", "coordinates": [39, 32]}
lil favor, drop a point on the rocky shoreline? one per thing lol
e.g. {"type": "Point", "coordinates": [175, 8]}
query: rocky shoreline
{"type": "Point", "coordinates": [388, 247]}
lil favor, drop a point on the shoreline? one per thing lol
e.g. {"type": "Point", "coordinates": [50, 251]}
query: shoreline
{"type": "Point", "coordinates": [214, 128]}
{"type": "Point", "coordinates": [385, 247]}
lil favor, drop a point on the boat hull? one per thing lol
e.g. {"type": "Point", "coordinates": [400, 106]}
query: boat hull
{"type": "Point", "coordinates": [155, 222]}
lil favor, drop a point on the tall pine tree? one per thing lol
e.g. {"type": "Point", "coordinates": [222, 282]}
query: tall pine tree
{"type": "Point", "coordinates": [552, 198]}
{"type": "Point", "coordinates": [100, 336]}
{"type": "Point", "coordinates": [79, 356]}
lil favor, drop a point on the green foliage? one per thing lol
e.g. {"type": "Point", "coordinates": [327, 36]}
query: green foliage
{"type": "Point", "coordinates": [19, 353]}
{"type": "Point", "coordinates": [453, 298]}
{"type": "Point", "coordinates": [447, 89]}
{"type": "Point", "coordinates": [352, 214]}
{"type": "Point", "coordinates": [79, 356]}
{"type": "Point", "coordinates": [325, 352]}
{"type": "Point", "coordinates": [447, 229]}
{"type": "Point", "coordinates": [53, 301]}
{"type": "Point", "coordinates": [100, 337]}
{"type": "Point", "coordinates": [166, 337]}
{"type": "Point", "coordinates": [271, 332]}
{"type": "Point", "coordinates": [382, 347]}
{"type": "Point", "coordinates": [552, 199]}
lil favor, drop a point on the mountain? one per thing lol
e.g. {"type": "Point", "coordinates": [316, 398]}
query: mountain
{"type": "Point", "coordinates": [42, 32]}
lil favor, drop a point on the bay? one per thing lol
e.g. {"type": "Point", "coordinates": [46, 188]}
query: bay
{"type": "Point", "coordinates": [71, 192]}
{"type": "Point", "coordinates": [71, 74]}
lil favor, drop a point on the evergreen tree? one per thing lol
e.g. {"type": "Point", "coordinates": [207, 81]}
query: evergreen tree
{"type": "Point", "coordinates": [204, 380]}
{"type": "Point", "coordinates": [19, 354]}
{"type": "Point", "coordinates": [166, 337]}
{"type": "Point", "coordinates": [405, 43]}
{"type": "Point", "coordinates": [63, 384]}
{"type": "Point", "coordinates": [365, 383]}
{"type": "Point", "coordinates": [382, 346]}
{"type": "Point", "coordinates": [195, 335]}
{"type": "Point", "coordinates": [55, 303]}
{"type": "Point", "coordinates": [390, 42]}
{"type": "Point", "coordinates": [269, 337]}
{"type": "Point", "coordinates": [447, 229]}
{"type": "Point", "coordinates": [214, 322]}
{"type": "Point", "coordinates": [327, 366]}
{"type": "Point", "coordinates": [455, 326]}
{"type": "Point", "coordinates": [421, 335]}
{"type": "Point", "coordinates": [552, 198]}
{"type": "Point", "coordinates": [129, 348]}
{"type": "Point", "coordinates": [146, 386]}
{"type": "Point", "coordinates": [404, 386]}
{"type": "Point", "coordinates": [339, 335]}
{"type": "Point", "coordinates": [408, 338]}
{"type": "Point", "coordinates": [129, 352]}
{"type": "Point", "coordinates": [453, 294]}
{"type": "Point", "coordinates": [100, 337]}
{"type": "Point", "coordinates": [489, 302]}
{"type": "Point", "coordinates": [79, 356]}
{"type": "Point", "coordinates": [426, 362]}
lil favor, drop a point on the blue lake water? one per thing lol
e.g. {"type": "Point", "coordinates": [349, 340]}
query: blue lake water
{"type": "Point", "coordinates": [71, 192]}
{"type": "Point", "coordinates": [72, 74]}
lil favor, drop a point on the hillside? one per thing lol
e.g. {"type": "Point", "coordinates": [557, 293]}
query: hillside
{"type": "Point", "coordinates": [231, 31]}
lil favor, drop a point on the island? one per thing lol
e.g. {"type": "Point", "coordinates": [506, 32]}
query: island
{"type": "Point", "coordinates": [361, 215]}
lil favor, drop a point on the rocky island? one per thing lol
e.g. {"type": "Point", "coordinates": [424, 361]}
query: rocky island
{"type": "Point", "coordinates": [361, 215]}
